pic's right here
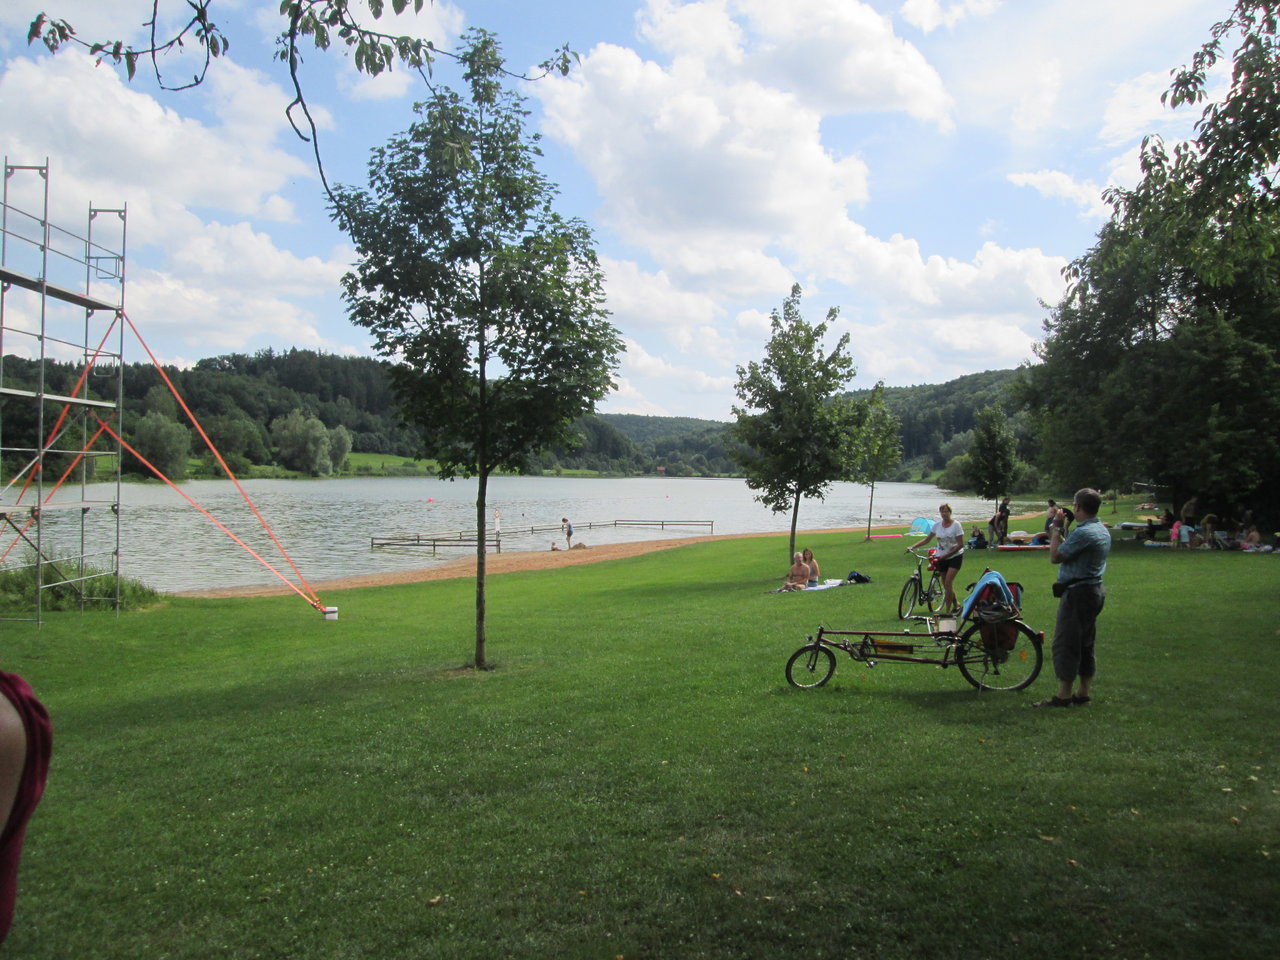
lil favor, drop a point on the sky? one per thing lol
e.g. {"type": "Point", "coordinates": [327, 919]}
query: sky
{"type": "Point", "coordinates": [927, 167]}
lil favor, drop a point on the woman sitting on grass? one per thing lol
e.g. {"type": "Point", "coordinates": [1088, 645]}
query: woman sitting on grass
{"type": "Point", "coordinates": [812, 564]}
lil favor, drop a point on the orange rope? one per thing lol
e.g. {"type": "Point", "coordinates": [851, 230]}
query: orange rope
{"type": "Point", "coordinates": [314, 601]}
{"type": "Point", "coordinates": [310, 593]}
{"type": "Point", "coordinates": [61, 480]}
{"type": "Point", "coordinates": [66, 407]}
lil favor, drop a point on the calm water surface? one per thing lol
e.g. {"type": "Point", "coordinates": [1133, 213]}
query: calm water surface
{"type": "Point", "coordinates": [326, 525]}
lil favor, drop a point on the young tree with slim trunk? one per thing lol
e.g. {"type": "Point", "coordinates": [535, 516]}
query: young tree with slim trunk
{"type": "Point", "coordinates": [805, 436]}
{"type": "Point", "coordinates": [880, 448]}
{"type": "Point", "coordinates": [992, 455]}
{"type": "Point", "coordinates": [488, 303]}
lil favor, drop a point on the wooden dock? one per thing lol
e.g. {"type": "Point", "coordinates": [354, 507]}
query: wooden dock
{"type": "Point", "coordinates": [494, 538]}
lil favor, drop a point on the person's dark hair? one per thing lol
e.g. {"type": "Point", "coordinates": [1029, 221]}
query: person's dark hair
{"type": "Point", "coordinates": [1089, 500]}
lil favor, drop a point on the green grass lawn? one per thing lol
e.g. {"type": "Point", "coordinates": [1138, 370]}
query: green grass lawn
{"type": "Point", "coordinates": [241, 778]}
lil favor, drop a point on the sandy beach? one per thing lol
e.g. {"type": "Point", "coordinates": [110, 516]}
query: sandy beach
{"type": "Point", "coordinates": [495, 563]}
{"type": "Point", "coordinates": [507, 563]}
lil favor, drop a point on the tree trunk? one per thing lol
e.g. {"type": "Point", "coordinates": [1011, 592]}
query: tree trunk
{"type": "Point", "coordinates": [482, 486]}
{"type": "Point", "coordinates": [870, 506]}
{"type": "Point", "coordinates": [795, 516]}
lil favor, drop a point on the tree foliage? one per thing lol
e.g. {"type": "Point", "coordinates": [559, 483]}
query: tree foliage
{"type": "Point", "coordinates": [806, 434]}
{"type": "Point", "coordinates": [992, 462]}
{"type": "Point", "coordinates": [489, 303]}
{"type": "Point", "coordinates": [1161, 360]}
{"type": "Point", "coordinates": [302, 443]}
{"type": "Point", "coordinates": [932, 415]}
{"type": "Point", "coordinates": [165, 444]}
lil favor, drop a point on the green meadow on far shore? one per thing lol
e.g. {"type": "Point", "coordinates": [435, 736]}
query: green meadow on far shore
{"type": "Point", "coordinates": [635, 778]}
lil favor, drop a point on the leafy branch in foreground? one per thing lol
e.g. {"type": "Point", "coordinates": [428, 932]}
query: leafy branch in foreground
{"type": "Point", "coordinates": [324, 22]}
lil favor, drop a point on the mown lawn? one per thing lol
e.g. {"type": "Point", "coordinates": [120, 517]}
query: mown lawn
{"type": "Point", "coordinates": [241, 778]}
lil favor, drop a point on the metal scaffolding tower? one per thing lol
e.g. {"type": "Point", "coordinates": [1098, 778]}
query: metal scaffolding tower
{"type": "Point", "coordinates": [61, 370]}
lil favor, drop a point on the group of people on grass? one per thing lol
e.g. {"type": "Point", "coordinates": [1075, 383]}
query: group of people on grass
{"type": "Point", "coordinates": [1081, 557]}
{"type": "Point", "coordinates": [804, 572]}
{"type": "Point", "coordinates": [1191, 530]}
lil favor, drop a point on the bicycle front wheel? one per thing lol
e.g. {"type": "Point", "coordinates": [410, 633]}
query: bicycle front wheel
{"type": "Point", "coordinates": [933, 596]}
{"type": "Point", "coordinates": [909, 598]}
{"type": "Point", "coordinates": [811, 666]}
{"type": "Point", "coordinates": [1008, 658]}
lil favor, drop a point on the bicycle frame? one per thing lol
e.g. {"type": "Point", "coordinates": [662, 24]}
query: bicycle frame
{"type": "Point", "coordinates": [991, 655]}
{"type": "Point", "coordinates": [927, 593]}
{"type": "Point", "coordinates": [877, 645]}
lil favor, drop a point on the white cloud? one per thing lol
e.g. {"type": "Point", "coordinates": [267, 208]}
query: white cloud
{"type": "Point", "coordinates": [1134, 109]}
{"type": "Point", "coordinates": [643, 300]}
{"type": "Point", "coordinates": [1037, 104]}
{"type": "Point", "coordinates": [626, 398]}
{"type": "Point", "coordinates": [719, 172]}
{"type": "Point", "coordinates": [705, 30]}
{"type": "Point", "coordinates": [208, 321]}
{"type": "Point", "coordinates": [144, 150]}
{"type": "Point", "coordinates": [842, 58]}
{"type": "Point", "coordinates": [213, 285]}
{"type": "Point", "coordinates": [753, 325]}
{"type": "Point", "coordinates": [928, 15]}
{"type": "Point", "coordinates": [1054, 183]}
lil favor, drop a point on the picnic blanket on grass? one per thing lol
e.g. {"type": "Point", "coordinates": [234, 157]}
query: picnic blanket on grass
{"type": "Point", "coordinates": [824, 585]}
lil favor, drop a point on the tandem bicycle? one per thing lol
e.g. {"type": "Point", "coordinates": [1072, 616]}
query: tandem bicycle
{"type": "Point", "coordinates": [990, 644]}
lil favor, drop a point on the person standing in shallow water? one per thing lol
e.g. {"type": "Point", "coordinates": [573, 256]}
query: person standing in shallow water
{"type": "Point", "coordinates": [567, 529]}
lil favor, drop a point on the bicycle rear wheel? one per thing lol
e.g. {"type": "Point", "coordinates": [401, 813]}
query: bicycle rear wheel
{"type": "Point", "coordinates": [811, 666]}
{"type": "Point", "coordinates": [909, 598]}
{"type": "Point", "coordinates": [1010, 661]}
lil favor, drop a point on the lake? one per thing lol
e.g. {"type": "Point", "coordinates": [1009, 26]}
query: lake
{"type": "Point", "coordinates": [326, 525]}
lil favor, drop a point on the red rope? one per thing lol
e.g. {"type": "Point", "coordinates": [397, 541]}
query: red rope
{"type": "Point", "coordinates": [66, 407]}
{"type": "Point", "coordinates": [310, 593]}
{"type": "Point", "coordinates": [61, 480]}
{"type": "Point", "coordinates": [313, 600]}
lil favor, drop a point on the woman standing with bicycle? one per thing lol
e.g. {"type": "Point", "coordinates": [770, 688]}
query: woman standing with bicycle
{"type": "Point", "coordinates": [950, 556]}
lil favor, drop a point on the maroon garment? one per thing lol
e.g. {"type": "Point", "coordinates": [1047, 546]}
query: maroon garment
{"type": "Point", "coordinates": [34, 772]}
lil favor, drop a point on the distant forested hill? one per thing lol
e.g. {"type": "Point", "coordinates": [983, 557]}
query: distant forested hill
{"type": "Point", "coordinates": [644, 429]}
{"type": "Point", "coordinates": [302, 411]}
{"type": "Point", "coordinates": [937, 419]}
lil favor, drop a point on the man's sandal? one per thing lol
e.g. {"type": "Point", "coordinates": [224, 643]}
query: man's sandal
{"type": "Point", "coordinates": [1054, 701]}
{"type": "Point", "coordinates": [1079, 700]}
